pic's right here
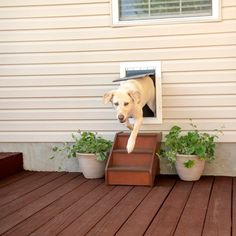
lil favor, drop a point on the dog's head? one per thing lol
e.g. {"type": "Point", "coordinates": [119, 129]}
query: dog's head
{"type": "Point", "coordinates": [123, 101]}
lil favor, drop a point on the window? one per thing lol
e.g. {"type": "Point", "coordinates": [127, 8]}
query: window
{"type": "Point", "coordinates": [146, 67]}
{"type": "Point", "coordinates": [128, 11]}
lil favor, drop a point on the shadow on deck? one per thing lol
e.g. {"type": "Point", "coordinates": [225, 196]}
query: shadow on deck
{"type": "Point", "coordinates": [42, 203]}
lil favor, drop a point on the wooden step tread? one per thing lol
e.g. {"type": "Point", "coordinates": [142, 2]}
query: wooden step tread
{"type": "Point", "coordinates": [140, 134]}
{"type": "Point", "coordinates": [4, 155]}
{"type": "Point", "coordinates": [129, 168]}
{"type": "Point", "coordinates": [136, 151]}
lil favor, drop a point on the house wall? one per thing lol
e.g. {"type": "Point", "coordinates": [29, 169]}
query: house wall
{"type": "Point", "coordinates": [58, 57]}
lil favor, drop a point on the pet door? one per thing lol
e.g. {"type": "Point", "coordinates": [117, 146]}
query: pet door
{"type": "Point", "coordinates": [153, 68]}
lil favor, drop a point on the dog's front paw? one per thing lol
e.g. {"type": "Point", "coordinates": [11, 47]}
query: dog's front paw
{"type": "Point", "coordinates": [130, 127]}
{"type": "Point", "coordinates": [130, 146]}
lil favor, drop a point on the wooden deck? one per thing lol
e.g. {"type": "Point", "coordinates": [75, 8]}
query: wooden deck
{"type": "Point", "coordinates": [44, 203]}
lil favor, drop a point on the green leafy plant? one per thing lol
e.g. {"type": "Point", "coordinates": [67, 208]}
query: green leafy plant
{"type": "Point", "coordinates": [193, 142]}
{"type": "Point", "coordinates": [189, 163]}
{"type": "Point", "coordinates": [85, 142]}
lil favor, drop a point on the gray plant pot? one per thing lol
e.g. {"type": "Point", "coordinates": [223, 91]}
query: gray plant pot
{"type": "Point", "coordinates": [189, 174]}
{"type": "Point", "coordinates": [90, 167]}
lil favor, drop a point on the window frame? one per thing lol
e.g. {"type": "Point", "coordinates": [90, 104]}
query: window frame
{"type": "Point", "coordinates": [216, 16]}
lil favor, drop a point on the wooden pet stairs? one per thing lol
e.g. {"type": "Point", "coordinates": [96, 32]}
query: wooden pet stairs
{"type": "Point", "coordinates": [137, 168]}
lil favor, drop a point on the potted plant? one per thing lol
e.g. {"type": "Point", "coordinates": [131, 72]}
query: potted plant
{"type": "Point", "coordinates": [188, 151]}
{"type": "Point", "coordinates": [91, 151]}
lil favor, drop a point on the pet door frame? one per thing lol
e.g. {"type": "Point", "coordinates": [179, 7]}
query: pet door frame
{"type": "Point", "coordinates": [144, 66]}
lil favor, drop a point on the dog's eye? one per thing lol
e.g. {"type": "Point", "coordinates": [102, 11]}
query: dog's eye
{"type": "Point", "coordinates": [126, 104]}
{"type": "Point", "coordinates": [116, 104]}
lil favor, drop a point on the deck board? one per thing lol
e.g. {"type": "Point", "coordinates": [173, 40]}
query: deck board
{"type": "Point", "coordinates": [15, 218]}
{"type": "Point", "coordinates": [167, 218]}
{"type": "Point", "coordinates": [140, 219]}
{"type": "Point", "coordinates": [96, 212]}
{"type": "Point", "coordinates": [65, 218]}
{"type": "Point", "coordinates": [193, 216]}
{"type": "Point", "coordinates": [14, 178]}
{"type": "Point", "coordinates": [218, 218]}
{"type": "Point", "coordinates": [16, 190]}
{"type": "Point", "coordinates": [52, 182]}
{"type": "Point", "coordinates": [111, 222]}
{"type": "Point", "coordinates": [45, 215]}
{"type": "Point", "coordinates": [68, 204]}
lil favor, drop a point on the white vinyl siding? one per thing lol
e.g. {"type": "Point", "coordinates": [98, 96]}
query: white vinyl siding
{"type": "Point", "coordinates": [58, 57]}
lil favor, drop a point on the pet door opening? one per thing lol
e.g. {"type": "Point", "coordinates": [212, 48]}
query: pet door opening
{"type": "Point", "coordinates": [153, 68]}
{"type": "Point", "coordinates": [147, 112]}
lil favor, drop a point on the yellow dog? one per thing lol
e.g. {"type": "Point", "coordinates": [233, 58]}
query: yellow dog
{"type": "Point", "coordinates": [129, 99]}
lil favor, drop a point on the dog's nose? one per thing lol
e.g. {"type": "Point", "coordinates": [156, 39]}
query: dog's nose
{"type": "Point", "coordinates": [121, 117]}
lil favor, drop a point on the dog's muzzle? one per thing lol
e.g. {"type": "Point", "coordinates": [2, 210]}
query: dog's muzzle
{"type": "Point", "coordinates": [121, 118]}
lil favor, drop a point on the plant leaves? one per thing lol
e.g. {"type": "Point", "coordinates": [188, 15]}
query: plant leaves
{"type": "Point", "coordinates": [189, 163]}
{"type": "Point", "coordinates": [86, 142]}
{"type": "Point", "coordinates": [192, 142]}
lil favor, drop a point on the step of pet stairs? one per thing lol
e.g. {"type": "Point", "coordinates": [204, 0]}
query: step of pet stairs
{"type": "Point", "coordinates": [136, 168]}
{"type": "Point", "coordinates": [10, 163]}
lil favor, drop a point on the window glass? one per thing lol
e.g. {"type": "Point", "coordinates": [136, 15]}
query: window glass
{"type": "Point", "coordinates": [158, 9]}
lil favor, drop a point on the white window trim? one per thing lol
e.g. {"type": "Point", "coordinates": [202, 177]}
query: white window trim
{"type": "Point", "coordinates": [156, 65]}
{"type": "Point", "coordinates": [216, 16]}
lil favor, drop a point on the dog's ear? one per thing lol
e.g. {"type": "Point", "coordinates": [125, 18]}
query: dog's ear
{"type": "Point", "coordinates": [135, 95]}
{"type": "Point", "coordinates": [107, 97]}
